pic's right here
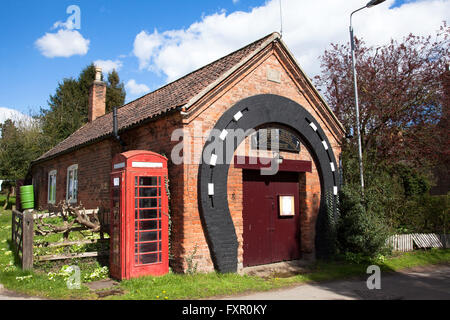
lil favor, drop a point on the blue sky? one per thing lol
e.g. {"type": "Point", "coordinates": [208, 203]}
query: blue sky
{"type": "Point", "coordinates": [153, 42]}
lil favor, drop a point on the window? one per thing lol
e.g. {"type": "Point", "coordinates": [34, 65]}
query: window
{"type": "Point", "coordinates": [287, 141]}
{"type": "Point", "coordinates": [52, 187]}
{"type": "Point", "coordinates": [147, 239]}
{"type": "Point", "coordinates": [72, 184]}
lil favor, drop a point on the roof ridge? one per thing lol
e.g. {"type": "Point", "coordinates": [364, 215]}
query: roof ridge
{"type": "Point", "coordinates": [159, 101]}
{"type": "Point", "coordinates": [199, 69]}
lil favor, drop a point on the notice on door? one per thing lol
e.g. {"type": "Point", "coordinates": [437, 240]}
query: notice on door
{"type": "Point", "coordinates": [287, 206]}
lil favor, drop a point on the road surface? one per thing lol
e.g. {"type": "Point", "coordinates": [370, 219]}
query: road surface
{"type": "Point", "coordinates": [422, 283]}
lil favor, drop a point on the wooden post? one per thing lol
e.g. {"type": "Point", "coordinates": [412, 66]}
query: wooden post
{"type": "Point", "coordinates": [27, 244]}
{"type": "Point", "coordinates": [19, 183]}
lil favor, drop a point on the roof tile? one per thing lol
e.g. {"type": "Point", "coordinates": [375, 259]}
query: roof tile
{"type": "Point", "coordinates": [162, 100]}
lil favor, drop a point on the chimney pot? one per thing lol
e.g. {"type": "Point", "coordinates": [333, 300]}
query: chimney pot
{"type": "Point", "coordinates": [98, 74]}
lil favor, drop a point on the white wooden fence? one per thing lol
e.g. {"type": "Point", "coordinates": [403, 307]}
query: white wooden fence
{"type": "Point", "coordinates": [407, 242]}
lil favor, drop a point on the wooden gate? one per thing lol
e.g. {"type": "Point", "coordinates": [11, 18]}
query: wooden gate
{"type": "Point", "coordinates": [22, 230]}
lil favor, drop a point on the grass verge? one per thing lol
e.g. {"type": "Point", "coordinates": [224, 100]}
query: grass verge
{"type": "Point", "coordinates": [199, 286]}
{"type": "Point", "coordinates": [195, 286]}
{"type": "Point", "coordinates": [12, 201]}
{"type": "Point", "coordinates": [35, 283]}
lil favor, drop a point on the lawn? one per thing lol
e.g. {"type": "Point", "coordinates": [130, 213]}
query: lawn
{"type": "Point", "coordinates": [12, 201]}
{"type": "Point", "coordinates": [195, 286]}
{"type": "Point", "coordinates": [47, 280]}
{"type": "Point", "coordinates": [198, 286]}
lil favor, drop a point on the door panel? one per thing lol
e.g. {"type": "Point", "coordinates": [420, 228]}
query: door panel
{"type": "Point", "coordinates": [267, 236]}
{"type": "Point", "coordinates": [286, 235]}
{"type": "Point", "coordinates": [256, 216]}
{"type": "Point", "coordinates": [146, 229]}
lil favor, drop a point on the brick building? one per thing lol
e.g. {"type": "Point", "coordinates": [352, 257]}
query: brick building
{"type": "Point", "coordinates": [228, 212]}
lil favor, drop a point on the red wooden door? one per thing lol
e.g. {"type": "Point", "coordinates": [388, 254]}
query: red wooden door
{"type": "Point", "coordinates": [286, 230]}
{"type": "Point", "coordinates": [256, 213]}
{"type": "Point", "coordinates": [269, 237]}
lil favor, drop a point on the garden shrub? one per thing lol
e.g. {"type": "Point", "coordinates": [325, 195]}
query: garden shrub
{"type": "Point", "coordinates": [425, 214]}
{"type": "Point", "coordinates": [397, 192]}
{"type": "Point", "coordinates": [361, 230]}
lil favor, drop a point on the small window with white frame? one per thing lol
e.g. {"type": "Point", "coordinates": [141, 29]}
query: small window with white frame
{"type": "Point", "coordinates": [52, 187]}
{"type": "Point", "coordinates": [72, 184]}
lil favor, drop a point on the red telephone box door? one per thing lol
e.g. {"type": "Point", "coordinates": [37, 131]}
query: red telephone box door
{"type": "Point", "coordinates": [146, 246]}
{"type": "Point", "coordinates": [139, 215]}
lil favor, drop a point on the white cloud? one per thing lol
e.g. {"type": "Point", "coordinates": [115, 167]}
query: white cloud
{"type": "Point", "coordinates": [67, 41]}
{"type": "Point", "coordinates": [69, 24]}
{"type": "Point", "coordinates": [64, 43]}
{"type": "Point", "coordinates": [308, 29]}
{"type": "Point", "coordinates": [145, 46]}
{"type": "Point", "coordinates": [108, 65]}
{"type": "Point", "coordinates": [135, 88]}
{"type": "Point", "coordinates": [17, 116]}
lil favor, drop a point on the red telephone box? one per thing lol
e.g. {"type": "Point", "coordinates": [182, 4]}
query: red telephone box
{"type": "Point", "coordinates": [139, 221]}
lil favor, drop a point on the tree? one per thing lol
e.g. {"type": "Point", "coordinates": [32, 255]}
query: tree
{"type": "Point", "coordinates": [404, 105]}
{"type": "Point", "coordinates": [361, 229]}
{"type": "Point", "coordinates": [12, 152]}
{"type": "Point", "coordinates": [115, 91]}
{"type": "Point", "coordinates": [69, 105]}
{"type": "Point", "coordinates": [20, 143]}
{"type": "Point", "coordinates": [67, 113]}
{"type": "Point", "coordinates": [401, 96]}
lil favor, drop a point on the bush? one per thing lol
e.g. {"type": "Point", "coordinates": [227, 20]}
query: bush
{"type": "Point", "coordinates": [399, 193]}
{"type": "Point", "coordinates": [361, 230]}
{"type": "Point", "coordinates": [425, 214]}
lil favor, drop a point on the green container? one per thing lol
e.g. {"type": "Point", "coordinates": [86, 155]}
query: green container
{"type": "Point", "coordinates": [27, 197]}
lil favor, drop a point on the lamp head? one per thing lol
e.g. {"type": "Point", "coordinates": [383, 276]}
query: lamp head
{"type": "Point", "coordinates": [374, 3]}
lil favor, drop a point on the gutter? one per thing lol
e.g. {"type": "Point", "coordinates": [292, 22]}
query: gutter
{"type": "Point", "coordinates": [103, 137]}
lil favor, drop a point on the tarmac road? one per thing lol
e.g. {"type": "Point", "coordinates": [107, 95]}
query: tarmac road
{"type": "Point", "coordinates": [424, 283]}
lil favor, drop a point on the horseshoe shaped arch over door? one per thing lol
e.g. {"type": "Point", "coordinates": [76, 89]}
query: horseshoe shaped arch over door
{"type": "Point", "coordinates": [247, 114]}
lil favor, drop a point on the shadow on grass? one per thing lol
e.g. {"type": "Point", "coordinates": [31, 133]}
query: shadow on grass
{"type": "Point", "coordinates": [16, 258]}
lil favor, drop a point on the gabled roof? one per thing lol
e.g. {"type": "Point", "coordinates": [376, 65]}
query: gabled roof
{"type": "Point", "coordinates": [163, 100]}
{"type": "Point", "coordinates": [180, 93]}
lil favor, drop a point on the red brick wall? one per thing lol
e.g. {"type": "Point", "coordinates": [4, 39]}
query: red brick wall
{"type": "Point", "coordinates": [94, 162]}
{"type": "Point", "coordinates": [252, 81]}
{"type": "Point", "coordinates": [94, 169]}
{"type": "Point", "coordinates": [156, 137]}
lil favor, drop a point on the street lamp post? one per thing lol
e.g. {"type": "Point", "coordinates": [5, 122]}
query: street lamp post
{"type": "Point", "coordinates": [358, 130]}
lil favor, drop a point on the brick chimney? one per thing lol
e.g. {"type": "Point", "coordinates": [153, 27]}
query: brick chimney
{"type": "Point", "coordinates": [97, 97]}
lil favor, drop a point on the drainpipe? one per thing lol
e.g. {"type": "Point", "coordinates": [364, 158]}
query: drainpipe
{"type": "Point", "coordinates": [116, 129]}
